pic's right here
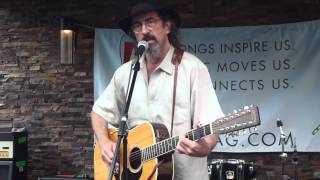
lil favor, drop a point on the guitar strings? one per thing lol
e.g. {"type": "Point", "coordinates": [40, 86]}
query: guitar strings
{"type": "Point", "coordinates": [213, 127]}
{"type": "Point", "coordinates": [138, 155]}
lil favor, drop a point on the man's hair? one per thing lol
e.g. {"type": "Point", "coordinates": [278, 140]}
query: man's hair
{"type": "Point", "coordinates": [173, 35]}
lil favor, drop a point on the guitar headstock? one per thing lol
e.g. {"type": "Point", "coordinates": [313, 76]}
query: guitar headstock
{"type": "Point", "coordinates": [240, 119]}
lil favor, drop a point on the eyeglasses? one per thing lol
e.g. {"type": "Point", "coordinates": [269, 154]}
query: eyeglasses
{"type": "Point", "coordinates": [149, 23]}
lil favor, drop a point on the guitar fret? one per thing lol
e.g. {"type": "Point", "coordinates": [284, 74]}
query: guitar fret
{"type": "Point", "coordinates": [191, 135]}
{"type": "Point", "coordinates": [160, 148]}
{"type": "Point", "coordinates": [207, 129]}
{"type": "Point", "coordinates": [152, 151]}
{"type": "Point", "coordinates": [147, 153]}
{"type": "Point", "coordinates": [156, 153]}
{"type": "Point", "coordinates": [142, 155]}
{"type": "Point", "coordinates": [176, 139]}
{"type": "Point", "coordinates": [155, 150]}
{"type": "Point", "coordinates": [164, 147]}
{"type": "Point", "coordinates": [196, 134]}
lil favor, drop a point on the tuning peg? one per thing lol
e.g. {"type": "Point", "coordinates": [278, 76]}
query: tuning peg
{"type": "Point", "coordinates": [235, 133]}
{"type": "Point", "coordinates": [254, 129]}
{"type": "Point", "coordinates": [244, 131]}
{"type": "Point", "coordinates": [239, 133]}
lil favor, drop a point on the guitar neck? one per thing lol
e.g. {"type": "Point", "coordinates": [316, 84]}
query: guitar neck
{"type": "Point", "coordinates": [169, 145]}
{"type": "Point", "coordinates": [245, 118]}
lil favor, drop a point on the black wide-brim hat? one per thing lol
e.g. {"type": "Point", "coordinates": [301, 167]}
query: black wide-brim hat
{"type": "Point", "coordinates": [144, 7]}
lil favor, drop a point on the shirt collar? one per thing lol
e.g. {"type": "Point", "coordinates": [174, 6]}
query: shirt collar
{"type": "Point", "coordinates": [166, 65]}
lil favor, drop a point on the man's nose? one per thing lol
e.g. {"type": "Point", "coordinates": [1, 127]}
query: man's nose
{"type": "Point", "coordinates": [144, 28]}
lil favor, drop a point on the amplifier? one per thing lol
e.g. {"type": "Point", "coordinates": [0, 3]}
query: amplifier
{"type": "Point", "coordinates": [6, 149]}
{"type": "Point", "coordinates": [13, 155]}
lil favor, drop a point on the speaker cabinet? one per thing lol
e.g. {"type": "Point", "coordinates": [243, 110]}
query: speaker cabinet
{"type": "Point", "coordinates": [6, 170]}
{"type": "Point", "coordinates": [13, 155]}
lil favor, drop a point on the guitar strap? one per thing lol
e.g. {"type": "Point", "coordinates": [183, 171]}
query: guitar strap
{"type": "Point", "coordinates": [176, 60]}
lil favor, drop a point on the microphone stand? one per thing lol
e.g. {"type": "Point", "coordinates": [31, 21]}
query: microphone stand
{"type": "Point", "coordinates": [123, 131]}
{"type": "Point", "coordinates": [283, 155]}
{"type": "Point", "coordinates": [295, 160]}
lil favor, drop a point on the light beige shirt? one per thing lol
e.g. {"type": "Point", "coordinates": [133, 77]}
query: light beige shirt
{"type": "Point", "coordinates": [196, 102]}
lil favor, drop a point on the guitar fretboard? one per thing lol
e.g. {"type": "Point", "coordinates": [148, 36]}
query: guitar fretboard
{"type": "Point", "coordinates": [169, 145]}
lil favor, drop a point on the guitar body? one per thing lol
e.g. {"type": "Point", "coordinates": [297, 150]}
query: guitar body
{"type": "Point", "coordinates": [139, 137]}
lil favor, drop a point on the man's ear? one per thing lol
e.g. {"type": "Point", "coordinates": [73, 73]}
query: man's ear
{"type": "Point", "coordinates": [168, 25]}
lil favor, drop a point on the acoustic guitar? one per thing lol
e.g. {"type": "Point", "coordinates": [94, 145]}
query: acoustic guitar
{"type": "Point", "coordinates": [150, 148]}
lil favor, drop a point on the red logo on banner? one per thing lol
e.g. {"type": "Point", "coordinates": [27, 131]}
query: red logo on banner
{"type": "Point", "coordinates": [128, 49]}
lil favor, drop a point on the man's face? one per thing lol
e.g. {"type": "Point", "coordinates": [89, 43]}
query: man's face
{"type": "Point", "coordinates": [151, 28]}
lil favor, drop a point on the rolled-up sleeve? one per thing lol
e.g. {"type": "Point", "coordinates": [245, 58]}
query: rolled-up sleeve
{"type": "Point", "coordinates": [108, 105]}
{"type": "Point", "coordinates": [206, 106]}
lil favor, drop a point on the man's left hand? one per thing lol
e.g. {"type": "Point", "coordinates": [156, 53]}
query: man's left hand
{"type": "Point", "coordinates": [199, 148]}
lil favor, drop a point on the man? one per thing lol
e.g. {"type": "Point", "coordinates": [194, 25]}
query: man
{"type": "Point", "coordinates": [195, 102]}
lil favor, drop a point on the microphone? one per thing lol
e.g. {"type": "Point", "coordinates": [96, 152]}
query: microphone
{"type": "Point", "coordinates": [279, 125]}
{"type": "Point", "coordinates": [142, 46]}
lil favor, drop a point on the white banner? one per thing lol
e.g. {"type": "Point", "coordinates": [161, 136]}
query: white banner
{"type": "Point", "coordinates": [275, 67]}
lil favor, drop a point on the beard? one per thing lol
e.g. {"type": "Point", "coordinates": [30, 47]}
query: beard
{"type": "Point", "coordinates": [153, 53]}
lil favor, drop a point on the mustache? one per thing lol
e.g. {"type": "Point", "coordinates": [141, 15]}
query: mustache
{"type": "Point", "coordinates": [148, 37]}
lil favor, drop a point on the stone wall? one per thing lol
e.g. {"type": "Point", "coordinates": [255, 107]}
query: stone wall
{"type": "Point", "coordinates": [53, 101]}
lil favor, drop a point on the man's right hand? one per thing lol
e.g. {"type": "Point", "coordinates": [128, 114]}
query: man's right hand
{"type": "Point", "coordinates": [107, 151]}
{"type": "Point", "coordinates": [107, 146]}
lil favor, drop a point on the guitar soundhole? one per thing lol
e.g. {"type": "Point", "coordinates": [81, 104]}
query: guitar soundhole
{"type": "Point", "coordinates": [135, 158]}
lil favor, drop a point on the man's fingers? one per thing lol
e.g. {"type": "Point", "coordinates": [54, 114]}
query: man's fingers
{"type": "Point", "coordinates": [108, 154]}
{"type": "Point", "coordinates": [183, 146]}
